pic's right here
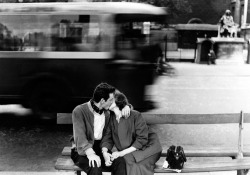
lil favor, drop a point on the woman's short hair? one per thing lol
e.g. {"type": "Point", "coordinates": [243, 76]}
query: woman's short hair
{"type": "Point", "coordinates": [120, 100]}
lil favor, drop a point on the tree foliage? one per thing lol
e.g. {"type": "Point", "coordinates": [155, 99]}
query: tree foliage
{"type": "Point", "coordinates": [174, 7]}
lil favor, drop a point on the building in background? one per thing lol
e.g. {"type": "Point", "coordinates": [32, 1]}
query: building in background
{"type": "Point", "coordinates": [208, 11]}
{"type": "Point", "coordinates": [237, 9]}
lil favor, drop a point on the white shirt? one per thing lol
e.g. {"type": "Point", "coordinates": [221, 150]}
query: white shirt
{"type": "Point", "coordinates": [99, 122]}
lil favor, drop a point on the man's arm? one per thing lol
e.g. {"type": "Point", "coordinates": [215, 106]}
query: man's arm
{"type": "Point", "coordinates": [126, 111]}
{"type": "Point", "coordinates": [107, 156]}
{"type": "Point", "coordinates": [80, 138]}
{"type": "Point", "coordinates": [107, 144]}
{"type": "Point", "coordinates": [82, 144]}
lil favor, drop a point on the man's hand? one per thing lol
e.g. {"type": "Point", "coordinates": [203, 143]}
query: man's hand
{"type": "Point", "coordinates": [94, 158]}
{"type": "Point", "coordinates": [126, 111]}
{"type": "Point", "coordinates": [107, 158]}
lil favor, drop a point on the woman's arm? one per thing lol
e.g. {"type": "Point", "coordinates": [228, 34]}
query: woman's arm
{"type": "Point", "coordinates": [141, 132]}
{"type": "Point", "coordinates": [122, 153]}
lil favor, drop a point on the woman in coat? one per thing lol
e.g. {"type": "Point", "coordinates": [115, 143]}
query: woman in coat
{"type": "Point", "coordinates": [139, 146]}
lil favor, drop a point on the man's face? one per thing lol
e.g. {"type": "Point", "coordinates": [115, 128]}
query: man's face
{"type": "Point", "coordinates": [106, 104]}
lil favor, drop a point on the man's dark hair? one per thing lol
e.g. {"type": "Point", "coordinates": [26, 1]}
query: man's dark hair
{"type": "Point", "coordinates": [120, 100]}
{"type": "Point", "coordinates": [102, 91]}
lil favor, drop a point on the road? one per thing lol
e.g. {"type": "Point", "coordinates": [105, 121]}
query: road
{"type": "Point", "coordinates": [199, 88]}
{"type": "Point", "coordinates": [34, 145]}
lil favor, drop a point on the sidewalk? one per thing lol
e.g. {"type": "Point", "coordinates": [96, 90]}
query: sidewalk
{"type": "Point", "coordinates": [201, 88]}
{"type": "Point", "coordinates": [72, 173]}
{"type": "Point", "coordinates": [189, 54]}
{"type": "Point", "coordinates": [36, 173]}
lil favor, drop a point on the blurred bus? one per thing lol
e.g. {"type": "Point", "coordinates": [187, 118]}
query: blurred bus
{"type": "Point", "coordinates": [52, 55]}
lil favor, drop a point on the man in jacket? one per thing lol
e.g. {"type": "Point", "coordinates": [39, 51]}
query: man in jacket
{"type": "Point", "coordinates": [90, 122]}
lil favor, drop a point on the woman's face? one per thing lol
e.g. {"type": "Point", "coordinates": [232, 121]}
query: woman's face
{"type": "Point", "coordinates": [112, 106]}
{"type": "Point", "coordinates": [119, 102]}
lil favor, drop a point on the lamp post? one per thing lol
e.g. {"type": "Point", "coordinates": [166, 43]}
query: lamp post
{"type": "Point", "coordinates": [245, 13]}
{"type": "Point", "coordinates": [237, 12]}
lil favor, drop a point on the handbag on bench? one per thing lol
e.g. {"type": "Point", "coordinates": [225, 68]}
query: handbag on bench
{"type": "Point", "coordinates": [175, 158]}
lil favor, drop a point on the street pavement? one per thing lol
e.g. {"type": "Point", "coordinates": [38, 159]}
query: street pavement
{"type": "Point", "coordinates": [201, 88]}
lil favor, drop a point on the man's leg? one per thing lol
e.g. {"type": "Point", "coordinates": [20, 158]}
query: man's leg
{"type": "Point", "coordinates": [119, 166]}
{"type": "Point", "coordinates": [83, 163]}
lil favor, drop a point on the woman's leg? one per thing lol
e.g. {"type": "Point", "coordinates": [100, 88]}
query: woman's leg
{"type": "Point", "coordinates": [144, 167]}
{"type": "Point", "coordinates": [118, 166]}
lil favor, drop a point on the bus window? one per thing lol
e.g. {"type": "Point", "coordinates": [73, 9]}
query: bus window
{"type": "Point", "coordinates": [86, 33]}
{"type": "Point", "coordinates": [135, 41]}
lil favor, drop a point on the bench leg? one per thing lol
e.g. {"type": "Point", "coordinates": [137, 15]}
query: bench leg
{"type": "Point", "coordinates": [78, 172]}
{"type": "Point", "coordinates": [242, 172]}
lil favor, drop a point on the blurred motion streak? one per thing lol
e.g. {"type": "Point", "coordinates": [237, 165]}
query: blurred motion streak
{"type": "Point", "coordinates": [52, 55]}
{"type": "Point", "coordinates": [14, 109]}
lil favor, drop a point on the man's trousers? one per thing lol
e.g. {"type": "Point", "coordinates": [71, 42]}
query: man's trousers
{"type": "Point", "coordinates": [118, 166]}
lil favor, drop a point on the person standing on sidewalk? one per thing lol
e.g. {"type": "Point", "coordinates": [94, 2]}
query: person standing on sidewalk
{"type": "Point", "coordinates": [90, 122]}
{"type": "Point", "coordinates": [211, 57]}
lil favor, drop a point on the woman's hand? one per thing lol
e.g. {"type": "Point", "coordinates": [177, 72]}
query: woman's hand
{"type": "Point", "coordinates": [116, 154]}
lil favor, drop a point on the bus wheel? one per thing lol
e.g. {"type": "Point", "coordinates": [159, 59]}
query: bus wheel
{"type": "Point", "coordinates": [47, 99]}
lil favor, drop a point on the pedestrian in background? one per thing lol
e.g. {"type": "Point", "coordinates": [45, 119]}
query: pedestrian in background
{"type": "Point", "coordinates": [211, 57]}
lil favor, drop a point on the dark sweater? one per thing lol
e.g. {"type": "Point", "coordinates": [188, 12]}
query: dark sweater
{"type": "Point", "coordinates": [83, 127]}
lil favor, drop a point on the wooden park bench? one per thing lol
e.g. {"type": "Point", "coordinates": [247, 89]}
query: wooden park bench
{"type": "Point", "coordinates": [237, 159]}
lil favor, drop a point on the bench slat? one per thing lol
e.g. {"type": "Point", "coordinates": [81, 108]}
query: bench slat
{"type": "Point", "coordinates": [211, 166]}
{"type": "Point", "coordinates": [195, 118]}
{"type": "Point", "coordinates": [214, 152]}
{"type": "Point", "coordinates": [66, 163]}
{"type": "Point", "coordinates": [184, 118]}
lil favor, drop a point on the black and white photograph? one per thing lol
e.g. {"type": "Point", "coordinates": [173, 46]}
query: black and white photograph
{"type": "Point", "coordinates": [124, 87]}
